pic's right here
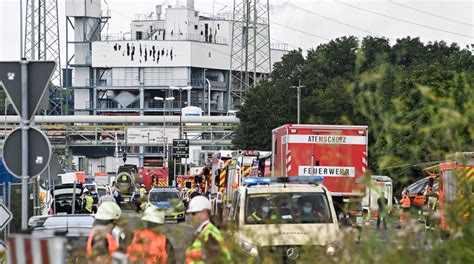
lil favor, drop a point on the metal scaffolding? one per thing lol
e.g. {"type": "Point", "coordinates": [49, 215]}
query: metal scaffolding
{"type": "Point", "coordinates": [42, 43]}
{"type": "Point", "coordinates": [250, 47]}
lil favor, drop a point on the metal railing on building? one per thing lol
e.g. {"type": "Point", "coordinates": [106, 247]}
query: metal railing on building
{"type": "Point", "coordinates": [168, 36]}
{"type": "Point", "coordinates": [279, 46]}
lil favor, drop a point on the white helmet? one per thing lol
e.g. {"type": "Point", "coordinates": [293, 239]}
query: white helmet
{"type": "Point", "coordinates": [154, 215]}
{"type": "Point", "coordinates": [108, 211]}
{"type": "Point", "coordinates": [199, 204]}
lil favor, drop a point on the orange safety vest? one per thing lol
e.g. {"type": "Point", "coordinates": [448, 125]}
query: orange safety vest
{"type": "Point", "coordinates": [148, 246]}
{"type": "Point", "coordinates": [419, 200]}
{"type": "Point", "coordinates": [112, 243]}
{"type": "Point", "coordinates": [405, 202]}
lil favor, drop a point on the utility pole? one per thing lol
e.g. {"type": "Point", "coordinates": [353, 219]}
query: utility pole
{"type": "Point", "coordinates": [298, 90]}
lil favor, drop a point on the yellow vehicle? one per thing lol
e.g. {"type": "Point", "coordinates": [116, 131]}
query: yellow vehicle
{"type": "Point", "coordinates": [281, 218]}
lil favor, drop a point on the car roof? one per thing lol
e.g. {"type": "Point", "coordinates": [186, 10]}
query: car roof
{"type": "Point", "coordinates": [280, 187]}
{"type": "Point", "coordinates": [155, 189]}
{"type": "Point", "coordinates": [79, 220]}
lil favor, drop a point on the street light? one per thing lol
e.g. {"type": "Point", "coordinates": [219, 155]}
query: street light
{"type": "Point", "coordinates": [186, 88]}
{"type": "Point", "coordinates": [298, 89]}
{"type": "Point", "coordinates": [165, 139]}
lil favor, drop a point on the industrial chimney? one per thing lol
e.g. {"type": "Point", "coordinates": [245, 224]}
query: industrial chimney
{"type": "Point", "coordinates": [190, 4]}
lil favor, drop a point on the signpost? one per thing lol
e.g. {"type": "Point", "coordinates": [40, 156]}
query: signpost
{"type": "Point", "coordinates": [39, 152]}
{"type": "Point", "coordinates": [25, 83]}
{"type": "Point", "coordinates": [181, 148]}
{"type": "Point", "coordinates": [5, 216]}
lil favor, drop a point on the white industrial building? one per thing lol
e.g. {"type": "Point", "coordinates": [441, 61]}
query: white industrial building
{"type": "Point", "coordinates": [141, 71]}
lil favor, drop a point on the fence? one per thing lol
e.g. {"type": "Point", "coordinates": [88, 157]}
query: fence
{"type": "Point", "coordinates": [10, 195]}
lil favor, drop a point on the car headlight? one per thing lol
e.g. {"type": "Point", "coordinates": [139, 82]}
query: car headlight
{"type": "Point", "coordinates": [250, 248]}
{"type": "Point", "coordinates": [330, 250]}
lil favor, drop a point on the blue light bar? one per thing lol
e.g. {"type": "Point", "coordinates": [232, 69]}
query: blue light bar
{"type": "Point", "coordinates": [256, 180]}
{"type": "Point", "coordinates": [267, 180]}
{"type": "Point", "coordinates": [306, 179]}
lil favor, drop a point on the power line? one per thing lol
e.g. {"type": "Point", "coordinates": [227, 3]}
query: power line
{"type": "Point", "coordinates": [432, 14]}
{"type": "Point", "coordinates": [403, 20]}
{"type": "Point", "coordinates": [334, 20]}
{"type": "Point", "coordinates": [300, 31]}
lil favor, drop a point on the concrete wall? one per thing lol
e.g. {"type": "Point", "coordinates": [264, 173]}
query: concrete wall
{"type": "Point", "coordinates": [163, 54]}
{"type": "Point", "coordinates": [83, 8]}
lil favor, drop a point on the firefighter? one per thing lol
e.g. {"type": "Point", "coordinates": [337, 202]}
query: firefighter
{"type": "Point", "coordinates": [208, 245]}
{"type": "Point", "coordinates": [262, 213]}
{"type": "Point", "coordinates": [149, 245]}
{"type": "Point", "coordinates": [101, 243]}
{"type": "Point", "coordinates": [405, 204]}
{"type": "Point", "coordinates": [106, 198]}
{"type": "Point", "coordinates": [87, 201]}
{"type": "Point", "coordinates": [142, 191]}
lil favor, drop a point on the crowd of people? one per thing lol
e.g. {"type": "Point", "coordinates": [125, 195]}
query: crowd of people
{"type": "Point", "coordinates": [150, 244]}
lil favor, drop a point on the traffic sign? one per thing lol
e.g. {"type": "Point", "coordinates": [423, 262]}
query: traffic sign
{"type": "Point", "coordinates": [181, 148]}
{"type": "Point", "coordinates": [39, 152]}
{"type": "Point", "coordinates": [181, 143]}
{"type": "Point", "coordinates": [39, 76]}
{"type": "Point", "coordinates": [5, 216]}
{"type": "Point", "coordinates": [51, 174]}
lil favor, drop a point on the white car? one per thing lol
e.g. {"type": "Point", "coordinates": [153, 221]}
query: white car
{"type": "Point", "coordinates": [274, 222]}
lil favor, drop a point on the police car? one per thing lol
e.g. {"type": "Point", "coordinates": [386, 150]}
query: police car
{"type": "Point", "coordinates": [284, 218]}
{"type": "Point", "coordinates": [167, 199]}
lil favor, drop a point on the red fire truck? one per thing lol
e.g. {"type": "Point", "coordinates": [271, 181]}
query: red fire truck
{"type": "Point", "coordinates": [338, 153]}
{"type": "Point", "coordinates": [455, 188]}
{"type": "Point", "coordinates": [154, 176]}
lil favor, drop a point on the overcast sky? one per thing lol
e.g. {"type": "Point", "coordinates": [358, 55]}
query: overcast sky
{"type": "Point", "coordinates": [304, 23]}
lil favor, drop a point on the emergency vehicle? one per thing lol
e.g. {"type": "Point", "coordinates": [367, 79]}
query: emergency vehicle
{"type": "Point", "coordinates": [228, 169]}
{"type": "Point", "coordinates": [154, 176]}
{"type": "Point", "coordinates": [378, 185]}
{"type": "Point", "coordinates": [338, 153]}
{"type": "Point", "coordinates": [281, 218]}
{"type": "Point", "coordinates": [455, 186]}
{"type": "Point", "coordinates": [169, 200]}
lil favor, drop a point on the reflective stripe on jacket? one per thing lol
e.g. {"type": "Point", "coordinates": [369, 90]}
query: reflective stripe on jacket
{"type": "Point", "coordinates": [194, 253]}
{"type": "Point", "coordinates": [96, 241]}
{"type": "Point", "coordinates": [148, 246]}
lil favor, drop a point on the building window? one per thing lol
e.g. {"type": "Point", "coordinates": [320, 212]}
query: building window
{"type": "Point", "coordinates": [138, 35]}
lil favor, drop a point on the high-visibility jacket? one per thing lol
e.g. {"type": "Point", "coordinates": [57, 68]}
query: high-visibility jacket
{"type": "Point", "coordinates": [419, 200]}
{"type": "Point", "coordinates": [89, 203]}
{"type": "Point", "coordinates": [148, 246]}
{"type": "Point", "coordinates": [96, 240]}
{"type": "Point", "coordinates": [194, 253]}
{"type": "Point", "coordinates": [405, 202]}
{"type": "Point", "coordinates": [257, 218]}
{"type": "Point", "coordinates": [142, 192]}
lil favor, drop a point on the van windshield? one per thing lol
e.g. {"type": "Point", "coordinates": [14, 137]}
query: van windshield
{"type": "Point", "coordinates": [287, 208]}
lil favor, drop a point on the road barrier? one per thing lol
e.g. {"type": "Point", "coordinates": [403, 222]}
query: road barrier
{"type": "Point", "coordinates": [26, 249]}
